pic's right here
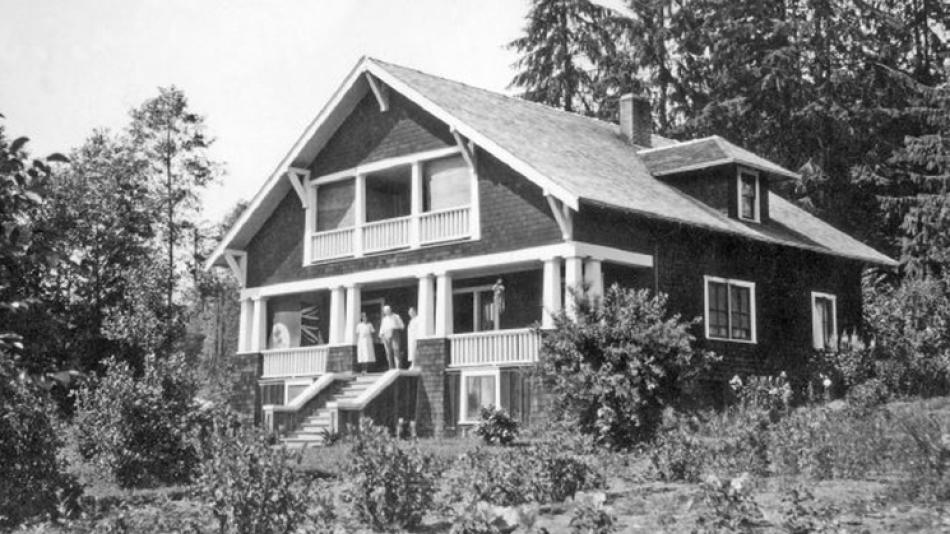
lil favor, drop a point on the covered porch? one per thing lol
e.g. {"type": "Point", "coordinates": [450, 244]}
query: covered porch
{"type": "Point", "coordinates": [487, 313]}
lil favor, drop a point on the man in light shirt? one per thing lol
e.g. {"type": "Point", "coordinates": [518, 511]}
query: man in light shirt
{"type": "Point", "coordinates": [389, 328]}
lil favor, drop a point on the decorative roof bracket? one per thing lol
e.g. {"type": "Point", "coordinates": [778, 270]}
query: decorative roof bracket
{"type": "Point", "coordinates": [298, 178]}
{"type": "Point", "coordinates": [381, 92]}
{"type": "Point", "coordinates": [563, 215]}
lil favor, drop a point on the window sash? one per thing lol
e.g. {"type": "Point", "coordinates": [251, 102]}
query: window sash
{"type": "Point", "coordinates": [748, 184]}
{"type": "Point", "coordinates": [480, 391]}
{"type": "Point", "coordinates": [729, 313]}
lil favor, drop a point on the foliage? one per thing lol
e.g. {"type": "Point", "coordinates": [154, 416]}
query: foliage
{"type": "Point", "coordinates": [388, 485]}
{"type": "Point", "coordinates": [543, 472]}
{"type": "Point", "coordinates": [495, 425]}
{"type": "Point", "coordinates": [927, 459]}
{"type": "Point", "coordinates": [252, 486]}
{"type": "Point", "coordinates": [35, 481]}
{"type": "Point", "coordinates": [140, 427]}
{"type": "Point", "coordinates": [802, 514]}
{"type": "Point", "coordinates": [591, 517]}
{"type": "Point", "coordinates": [616, 367]}
{"type": "Point", "coordinates": [731, 505]}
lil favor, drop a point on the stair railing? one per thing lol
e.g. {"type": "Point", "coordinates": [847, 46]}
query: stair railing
{"type": "Point", "coordinates": [282, 418]}
{"type": "Point", "coordinates": [346, 413]}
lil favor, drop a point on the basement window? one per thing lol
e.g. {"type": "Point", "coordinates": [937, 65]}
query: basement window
{"type": "Point", "coordinates": [730, 310]}
{"type": "Point", "coordinates": [748, 189]}
{"type": "Point", "coordinates": [479, 389]}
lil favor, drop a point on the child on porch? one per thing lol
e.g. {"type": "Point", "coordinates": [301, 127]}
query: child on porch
{"type": "Point", "coordinates": [365, 352]}
{"type": "Point", "coordinates": [389, 327]}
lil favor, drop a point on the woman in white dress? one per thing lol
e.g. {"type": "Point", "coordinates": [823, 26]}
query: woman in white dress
{"type": "Point", "coordinates": [365, 351]}
{"type": "Point", "coordinates": [411, 335]}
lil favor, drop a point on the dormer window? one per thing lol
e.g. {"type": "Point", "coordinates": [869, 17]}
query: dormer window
{"type": "Point", "coordinates": [748, 189]}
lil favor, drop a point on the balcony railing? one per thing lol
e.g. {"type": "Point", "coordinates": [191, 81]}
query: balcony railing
{"type": "Point", "coordinates": [386, 234]}
{"type": "Point", "coordinates": [390, 234]}
{"type": "Point", "coordinates": [494, 347]}
{"type": "Point", "coordinates": [301, 361]}
{"type": "Point", "coordinates": [443, 225]}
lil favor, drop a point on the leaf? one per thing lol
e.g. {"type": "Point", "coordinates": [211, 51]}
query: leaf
{"type": "Point", "coordinates": [57, 157]}
{"type": "Point", "coordinates": [18, 143]}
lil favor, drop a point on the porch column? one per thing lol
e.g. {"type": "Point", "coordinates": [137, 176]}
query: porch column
{"type": "Point", "coordinates": [594, 278]}
{"type": "Point", "coordinates": [415, 205]}
{"type": "Point", "coordinates": [424, 306]}
{"type": "Point", "coordinates": [353, 306]}
{"type": "Point", "coordinates": [573, 279]}
{"type": "Point", "coordinates": [359, 213]}
{"type": "Point", "coordinates": [244, 326]}
{"type": "Point", "coordinates": [336, 315]}
{"type": "Point", "coordinates": [443, 305]}
{"type": "Point", "coordinates": [551, 292]}
{"type": "Point", "coordinates": [259, 325]}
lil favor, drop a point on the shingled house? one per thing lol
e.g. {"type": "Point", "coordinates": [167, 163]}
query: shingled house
{"type": "Point", "coordinates": [410, 190]}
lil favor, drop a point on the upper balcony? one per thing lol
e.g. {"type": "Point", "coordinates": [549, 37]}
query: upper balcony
{"type": "Point", "coordinates": [408, 203]}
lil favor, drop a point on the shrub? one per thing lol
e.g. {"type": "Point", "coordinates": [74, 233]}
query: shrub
{"type": "Point", "coordinates": [615, 368]}
{"type": "Point", "coordinates": [590, 517]}
{"type": "Point", "coordinates": [252, 486]}
{"type": "Point", "coordinates": [731, 506]}
{"type": "Point", "coordinates": [802, 514]}
{"type": "Point", "coordinates": [388, 485]}
{"type": "Point", "coordinates": [33, 478]}
{"type": "Point", "coordinates": [496, 426]}
{"type": "Point", "coordinates": [926, 458]}
{"type": "Point", "coordinates": [139, 427]}
{"type": "Point", "coordinates": [868, 395]}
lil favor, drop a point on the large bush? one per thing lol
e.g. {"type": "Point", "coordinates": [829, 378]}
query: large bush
{"type": "Point", "coordinates": [33, 480]}
{"type": "Point", "coordinates": [388, 484]}
{"type": "Point", "coordinates": [252, 486]}
{"type": "Point", "coordinates": [615, 368]}
{"type": "Point", "coordinates": [140, 427]}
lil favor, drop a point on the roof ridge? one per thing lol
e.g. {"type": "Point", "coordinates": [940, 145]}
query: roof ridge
{"type": "Point", "coordinates": [503, 95]}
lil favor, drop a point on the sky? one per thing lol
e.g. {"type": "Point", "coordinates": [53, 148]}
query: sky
{"type": "Point", "coordinates": [257, 71]}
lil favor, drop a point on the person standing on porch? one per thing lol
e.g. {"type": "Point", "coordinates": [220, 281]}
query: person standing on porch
{"type": "Point", "coordinates": [365, 352]}
{"type": "Point", "coordinates": [389, 327]}
{"type": "Point", "coordinates": [411, 335]}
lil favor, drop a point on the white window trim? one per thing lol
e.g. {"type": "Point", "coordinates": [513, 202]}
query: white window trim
{"type": "Point", "coordinates": [815, 295]}
{"type": "Point", "coordinates": [757, 206]}
{"type": "Point", "coordinates": [752, 308]}
{"type": "Point", "coordinates": [463, 391]}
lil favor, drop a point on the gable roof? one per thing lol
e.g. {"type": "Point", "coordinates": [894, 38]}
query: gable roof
{"type": "Point", "coordinates": [572, 157]}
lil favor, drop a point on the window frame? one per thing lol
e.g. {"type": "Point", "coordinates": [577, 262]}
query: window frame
{"type": "Point", "coordinates": [294, 382]}
{"type": "Point", "coordinates": [463, 390]}
{"type": "Point", "coordinates": [753, 339]}
{"type": "Point", "coordinates": [757, 204]}
{"type": "Point", "coordinates": [815, 295]}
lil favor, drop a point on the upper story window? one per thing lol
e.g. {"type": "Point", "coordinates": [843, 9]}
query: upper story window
{"type": "Point", "coordinates": [730, 309]}
{"type": "Point", "coordinates": [749, 200]}
{"type": "Point", "coordinates": [336, 205]}
{"type": "Point", "coordinates": [447, 184]}
{"type": "Point", "coordinates": [824, 320]}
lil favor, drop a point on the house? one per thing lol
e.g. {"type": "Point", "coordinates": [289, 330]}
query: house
{"type": "Point", "coordinates": [482, 212]}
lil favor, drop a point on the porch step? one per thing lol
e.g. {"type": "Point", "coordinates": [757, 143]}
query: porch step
{"type": "Point", "coordinates": [311, 430]}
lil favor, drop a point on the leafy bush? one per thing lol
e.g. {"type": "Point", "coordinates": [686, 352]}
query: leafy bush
{"type": "Point", "coordinates": [544, 472]}
{"type": "Point", "coordinates": [731, 506]}
{"type": "Point", "coordinates": [926, 458]}
{"type": "Point", "coordinates": [34, 478]}
{"type": "Point", "coordinates": [868, 395]}
{"type": "Point", "coordinates": [615, 368]}
{"type": "Point", "coordinates": [388, 485]}
{"type": "Point", "coordinates": [495, 425]}
{"type": "Point", "coordinates": [590, 517]}
{"type": "Point", "coordinates": [139, 427]}
{"type": "Point", "coordinates": [252, 486]}
{"type": "Point", "coordinates": [802, 514]}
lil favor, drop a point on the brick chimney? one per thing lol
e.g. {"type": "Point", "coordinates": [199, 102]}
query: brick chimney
{"type": "Point", "coordinates": [636, 119]}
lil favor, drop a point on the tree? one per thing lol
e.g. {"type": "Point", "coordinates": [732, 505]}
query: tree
{"type": "Point", "coordinates": [173, 140]}
{"type": "Point", "coordinates": [614, 368]}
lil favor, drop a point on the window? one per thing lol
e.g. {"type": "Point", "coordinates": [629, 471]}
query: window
{"type": "Point", "coordinates": [730, 310]}
{"type": "Point", "coordinates": [336, 205]}
{"type": "Point", "coordinates": [824, 320]}
{"type": "Point", "coordinates": [748, 195]}
{"type": "Point", "coordinates": [479, 389]}
{"type": "Point", "coordinates": [474, 310]}
{"type": "Point", "coordinates": [388, 193]}
{"type": "Point", "coordinates": [447, 184]}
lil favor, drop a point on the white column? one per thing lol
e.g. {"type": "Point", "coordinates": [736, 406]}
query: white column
{"type": "Point", "coordinates": [415, 204]}
{"type": "Point", "coordinates": [259, 325]}
{"type": "Point", "coordinates": [336, 315]}
{"type": "Point", "coordinates": [443, 305]}
{"type": "Point", "coordinates": [425, 306]}
{"type": "Point", "coordinates": [475, 217]}
{"type": "Point", "coordinates": [244, 326]}
{"type": "Point", "coordinates": [359, 212]}
{"type": "Point", "coordinates": [310, 224]}
{"type": "Point", "coordinates": [594, 278]}
{"type": "Point", "coordinates": [573, 279]}
{"type": "Point", "coordinates": [551, 291]}
{"type": "Point", "coordinates": [353, 306]}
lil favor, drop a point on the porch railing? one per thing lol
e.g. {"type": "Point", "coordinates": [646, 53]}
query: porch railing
{"type": "Point", "coordinates": [443, 225]}
{"type": "Point", "coordinates": [302, 361]}
{"type": "Point", "coordinates": [494, 347]}
{"type": "Point", "coordinates": [386, 234]}
{"type": "Point", "coordinates": [333, 243]}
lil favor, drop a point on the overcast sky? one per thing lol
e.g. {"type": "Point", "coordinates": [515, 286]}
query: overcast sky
{"type": "Point", "coordinates": [258, 71]}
